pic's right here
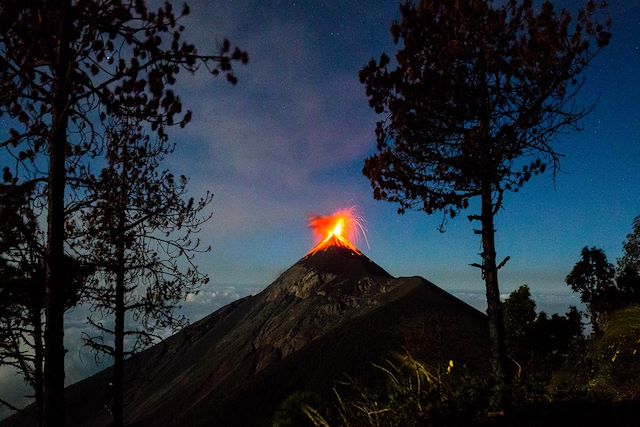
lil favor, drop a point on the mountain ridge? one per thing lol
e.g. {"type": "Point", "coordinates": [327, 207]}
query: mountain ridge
{"type": "Point", "coordinates": [333, 311]}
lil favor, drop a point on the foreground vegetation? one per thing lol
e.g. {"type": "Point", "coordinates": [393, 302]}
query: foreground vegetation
{"type": "Point", "coordinates": [581, 381]}
{"type": "Point", "coordinates": [559, 375]}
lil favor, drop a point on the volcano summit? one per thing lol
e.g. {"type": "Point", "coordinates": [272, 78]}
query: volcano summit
{"type": "Point", "coordinates": [333, 312]}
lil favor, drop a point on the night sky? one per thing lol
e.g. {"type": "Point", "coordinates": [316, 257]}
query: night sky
{"type": "Point", "coordinates": [290, 139]}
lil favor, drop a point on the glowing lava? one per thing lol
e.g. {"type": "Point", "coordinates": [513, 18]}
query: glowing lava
{"type": "Point", "coordinates": [338, 229]}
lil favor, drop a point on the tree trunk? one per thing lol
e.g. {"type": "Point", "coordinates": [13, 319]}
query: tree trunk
{"type": "Point", "coordinates": [38, 359]}
{"type": "Point", "coordinates": [54, 278]}
{"type": "Point", "coordinates": [118, 354]}
{"type": "Point", "coordinates": [118, 362]}
{"type": "Point", "coordinates": [494, 306]}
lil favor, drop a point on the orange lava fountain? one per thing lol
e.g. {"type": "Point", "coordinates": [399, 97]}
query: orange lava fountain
{"type": "Point", "coordinates": [337, 229]}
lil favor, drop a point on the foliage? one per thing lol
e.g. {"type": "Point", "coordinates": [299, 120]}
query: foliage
{"type": "Point", "coordinates": [603, 287]}
{"type": "Point", "coordinates": [411, 395]}
{"type": "Point", "coordinates": [140, 233]}
{"type": "Point", "coordinates": [538, 344]}
{"type": "Point", "coordinates": [619, 352]}
{"type": "Point", "coordinates": [628, 268]}
{"type": "Point", "coordinates": [475, 88]}
{"type": "Point", "coordinates": [559, 371]}
{"type": "Point", "coordinates": [123, 60]}
{"type": "Point", "coordinates": [476, 97]}
{"type": "Point", "coordinates": [607, 366]}
{"type": "Point", "coordinates": [553, 337]}
{"type": "Point", "coordinates": [65, 68]}
{"type": "Point", "coordinates": [631, 257]}
{"type": "Point", "coordinates": [592, 277]}
{"type": "Point", "coordinates": [519, 311]}
{"type": "Point", "coordinates": [147, 209]}
{"type": "Point", "coordinates": [22, 292]}
{"type": "Point", "coordinates": [592, 376]}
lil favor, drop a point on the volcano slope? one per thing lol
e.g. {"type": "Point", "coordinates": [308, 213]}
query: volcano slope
{"type": "Point", "coordinates": [331, 313]}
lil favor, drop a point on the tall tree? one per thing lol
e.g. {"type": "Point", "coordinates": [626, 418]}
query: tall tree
{"type": "Point", "coordinates": [141, 235]}
{"type": "Point", "coordinates": [64, 66]}
{"type": "Point", "coordinates": [22, 287]}
{"type": "Point", "coordinates": [593, 278]}
{"type": "Point", "coordinates": [476, 97]}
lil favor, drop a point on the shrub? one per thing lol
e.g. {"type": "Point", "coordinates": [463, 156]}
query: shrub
{"type": "Point", "coordinates": [410, 395]}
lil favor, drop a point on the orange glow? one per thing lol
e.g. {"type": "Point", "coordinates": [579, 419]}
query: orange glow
{"type": "Point", "coordinates": [338, 229]}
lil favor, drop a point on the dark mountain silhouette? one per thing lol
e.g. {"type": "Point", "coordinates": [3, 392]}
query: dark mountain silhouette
{"type": "Point", "coordinates": [333, 312]}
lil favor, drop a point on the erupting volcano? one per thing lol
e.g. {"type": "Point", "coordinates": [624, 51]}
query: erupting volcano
{"type": "Point", "coordinates": [334, 312]}
{"type": "Point", "coordinates": [337, 230]}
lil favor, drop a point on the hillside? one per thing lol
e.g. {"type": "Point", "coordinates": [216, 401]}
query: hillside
{"type": "Point", "coordinates": [332, 312]}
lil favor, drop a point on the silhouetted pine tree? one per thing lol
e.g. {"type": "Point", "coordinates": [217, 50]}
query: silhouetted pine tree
{"type": "Point", "coordinates": [593, 278]}
{"type": "Point", "coordinates": [140, 234]}
{"type": "Point", "coordinates": [472, 104]}
{"type": "Point", "coordinates": [65, 66]}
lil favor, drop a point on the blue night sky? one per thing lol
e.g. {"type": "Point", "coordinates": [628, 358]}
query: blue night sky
{"type": "Point", "coordinates": [290, 139]}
